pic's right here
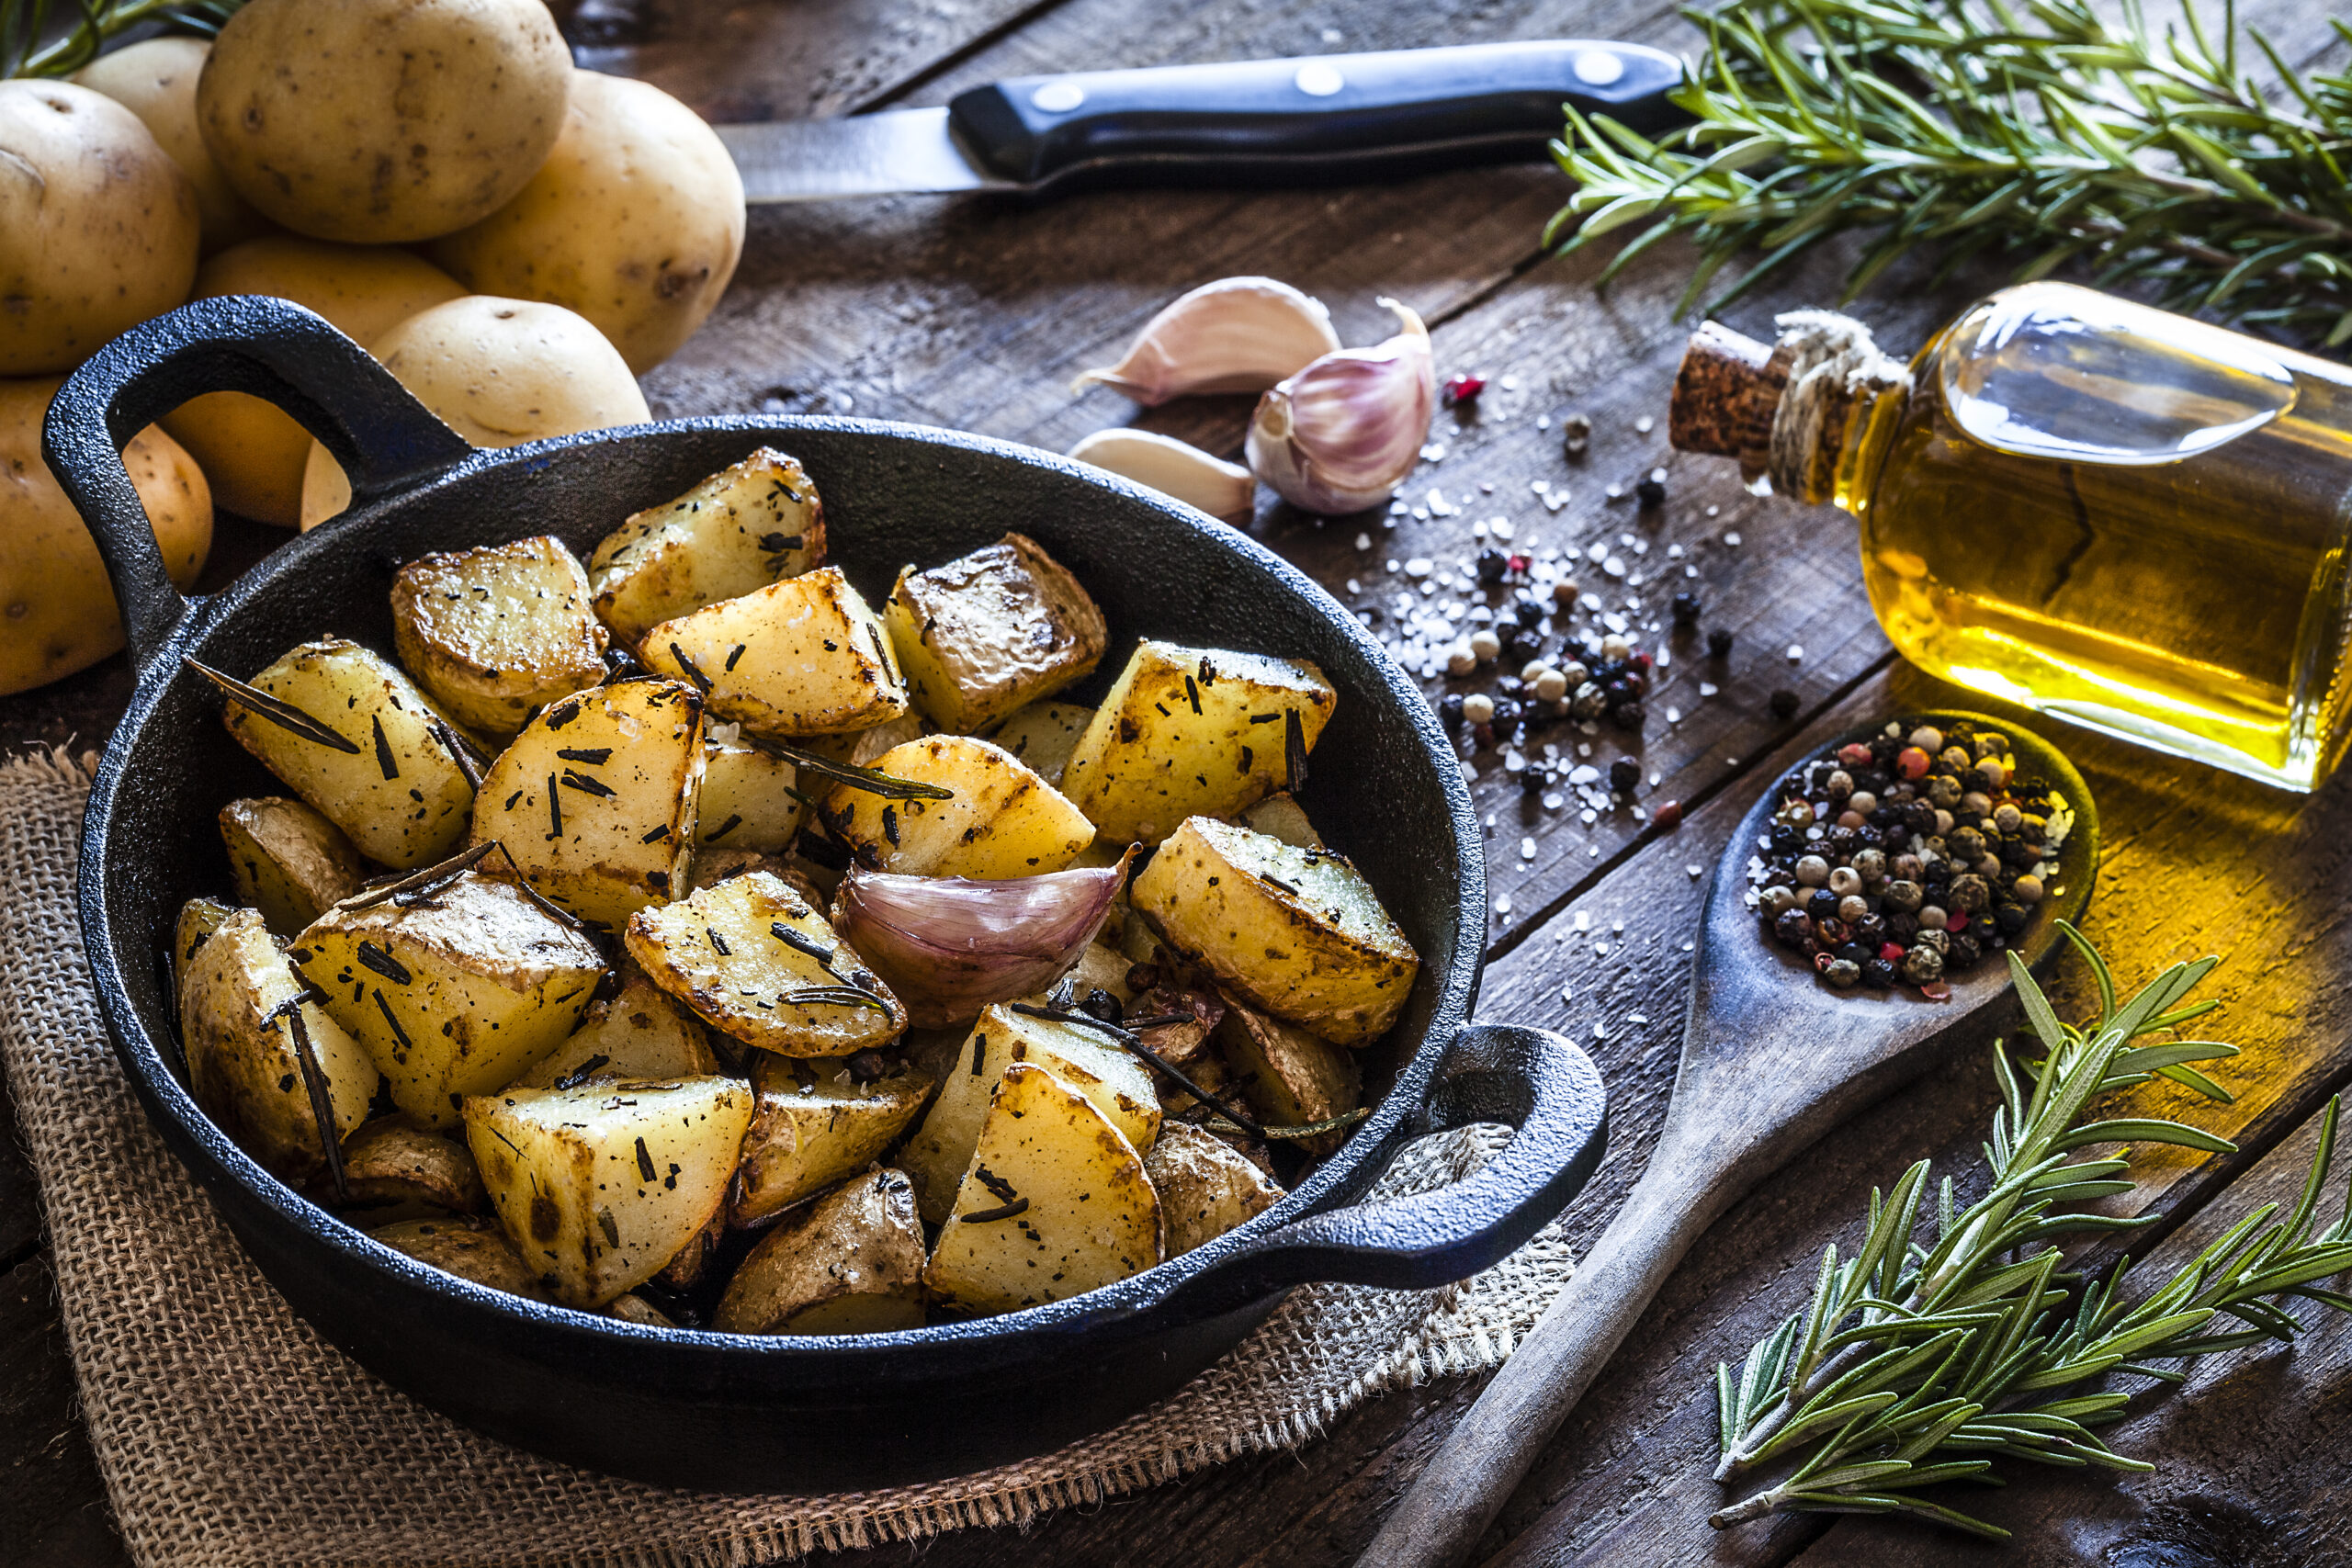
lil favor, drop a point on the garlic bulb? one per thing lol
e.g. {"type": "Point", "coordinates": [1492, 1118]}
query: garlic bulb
{"type": "Point", "coordinates": [1224, 490]}
{"type": "Point", "coordinates": [1238, 334]}
{"type": "Point", "coordinates": [1341, 435]}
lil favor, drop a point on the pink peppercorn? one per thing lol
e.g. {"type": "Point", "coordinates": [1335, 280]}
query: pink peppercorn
{"type": "Point", "coordinates": [1912, 762]}
{"type": "Point", "coordinates": [1669, 815]}
{"type": "Point", "coordinates": [1855, 755]}
{"type": "Point", "coordinates": [1891, 950]}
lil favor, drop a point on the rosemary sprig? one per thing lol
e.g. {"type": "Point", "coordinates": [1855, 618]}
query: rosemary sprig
{"type": "Point", "coordinates": [1965, 126]}
{"type": "Point", "coordinates": [1920, 1362]}
{"type": "Point", "coordinates": [27, 50]}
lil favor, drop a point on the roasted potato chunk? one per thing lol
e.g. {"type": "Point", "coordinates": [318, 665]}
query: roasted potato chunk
{"type": "Point", "coordinates": [381, 764]}
{"type": "Point", "coordinates": [452, 996]}
{"type": "Point", "coordinates": [634, 1308]}
{"type": "Point", "coordinates": [749, 800]}
{"type": "Point", "coordinates": [1003, 822]}
{"type": "Point", "coordinates": [497, 631]}
{"type": "Point", "coordinates": [641, 1034]}
{"type": "Point", "coordinates": [1056, 1202]}
{"type": "Point", "coordinates": [1205, 1187]}
{"type": "Point", "coordinates": [755, 961]}
{"type": "Point", "coordinates": [1297, 932]}
{"type": "Point", "coordinates": [396, 1171]}
{"type": "Point", "coordinates": [1291, 1078]}
{"type": "Point", "coordinates": [801, 657]}
{"type": "Point", "coordinates": [852, 1263]}
{"type": "Point", "coordinates": [1279, 816]}
{"type": "Point", "coordinates": [990, 631]}
{"type": "Point", "coordinates": [598, 1186]}
{"type": "Point", "coordinates": [598, 797]}
{"type": "Point", "coordinates": [243, 1022]}
{"type": "Point", "coordinates": [1043, 735]}
{"type": "Point", "coordinates": [745, 527]}
{"type": "Point", "coordinates": [1191, 731]}
{"type": "Point", "coordinates": [287, 860]}
{"type": "Point", "coordinates": [862, 747]}
{"type": "Point", "coordinates": [813, 1125]}
{"type": "Point", "coordinates": [469, 1249]}
{"type": "Point", "coordinates": [199, 919]}
{"type": "Point", "coordinates": [937, 1156]}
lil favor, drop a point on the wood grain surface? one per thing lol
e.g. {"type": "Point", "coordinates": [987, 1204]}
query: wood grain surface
{"type": "Point", "coordinates": [976, 313]}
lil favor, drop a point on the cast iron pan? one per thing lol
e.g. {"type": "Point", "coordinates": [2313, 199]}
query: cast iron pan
{"type": "Point", "coordinates": [679, 1406]}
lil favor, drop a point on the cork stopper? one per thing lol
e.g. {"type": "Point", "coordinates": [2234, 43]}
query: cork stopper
{"type": "Point", "coordinates": [1721, 377]}
{"type": "Point", "coordinates": [1785, 409]}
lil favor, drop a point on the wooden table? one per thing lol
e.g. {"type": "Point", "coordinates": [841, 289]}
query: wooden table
{"type": "Point", "coordinates": [977, 315]}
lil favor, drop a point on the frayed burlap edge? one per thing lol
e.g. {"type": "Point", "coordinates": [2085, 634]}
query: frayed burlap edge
{"type": "Point", "coordinates": [230, 1434]}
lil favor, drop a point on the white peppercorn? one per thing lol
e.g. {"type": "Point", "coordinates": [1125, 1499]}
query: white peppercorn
{"type": "Point", "coordinates": [1478, 708]}
{"type": "Point", "coordinates": [1813, 872]}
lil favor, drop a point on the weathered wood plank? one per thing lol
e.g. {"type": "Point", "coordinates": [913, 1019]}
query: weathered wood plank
{"type": "Point", "coordinates": [53, 1508]}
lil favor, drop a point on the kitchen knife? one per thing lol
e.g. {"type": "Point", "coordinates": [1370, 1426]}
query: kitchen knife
{"type": "Point", "coordinates": [1330, 116]}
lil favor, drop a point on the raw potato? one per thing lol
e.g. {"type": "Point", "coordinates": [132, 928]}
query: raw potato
{"type": "Point", "coordinates": [453, 996]}
{"type": "Point", "coordinates": [753, 523]}
{"type": "Point", "coordinates": [1205, 1188]}
{"type": "Point", "coordinates": [641, 1034]}
{"type": "Point", "coordinates": [57, 609]}
{"type": "Point", "coordinates": [1191, 731]}
{"type": "Point", "coordinates": [238, 1012]}
{"type": "Point", "coordinates": [992, 631]}
{"type": "Point", "coordinates": [814, 1125]}
{"type": "Point", "coordinates": [155, 79]}
{"type": "Point", "coordinates": [1043, 735]}
{"type": "Point", "coordinates": [600, 1186]}
{"type": "Point", "coordinates": [252, 451]}
{"type": "Point", "coordinates": [800, 657]}
{"type": "Point", "coordinates": [396, 792]}
{"type": "Point", "coordinates": [1003, 822]}
{"type": "Point", "coordinates": [718, 950]}
{"type": "Point", "coordinates": [1297, 932]}
{"type": "Point", "coordinates": [939, 1153]}
{"type": "Point", "coordinates": [499, 372]}
{"type": "Point", "coordinates": [383, 122]}
{"type": "Point", "coordinates": [749, 800]}
{"type": "Point", "coordinates": [497, 631]}
{"type": "Point", "coordinates": [471, 1249]}
{"type": "Point", "coordinates": [597, 798]}
{"type": "Point", "coordinates": [199, 919]}
{"type": "Point", "coordinates": [851, 1264]}
{"type": "Point", "coordinates": [1280, 817]}
{"type": "Point", "coordinates": [98, 227]}
{"type": "Point", "coordinates": [1092, 1217]}
{"type": "Point", "coordinates": [399, 1171]}
{"type": "Point", "coordinates": [635, 220]}
{"type": "Point", "coordinates": [287, 860]}
{"type": "Point", "coordinates": [1291, 1078]}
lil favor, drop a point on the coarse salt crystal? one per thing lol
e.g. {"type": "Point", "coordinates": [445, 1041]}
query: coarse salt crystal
{"type": "Point", "coordinates": [1527, 849]}
{"type": "Point", "coordinates": [1364, 541]}
{"type": "Point", "coordinates": [1644, 425]}
{"type": "Point", "coordinates": [1731, 537]}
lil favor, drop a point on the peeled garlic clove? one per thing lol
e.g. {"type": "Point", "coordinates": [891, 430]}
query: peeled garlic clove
{"type": "Point", "coordinates": [1341, 435]}
{"type": "Point", "coordinates": [1224, 490]}
{"type": "Point", "coordinates": [1238, 334]}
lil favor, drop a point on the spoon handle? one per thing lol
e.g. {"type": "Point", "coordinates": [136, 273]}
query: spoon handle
{"type": "Point", "coordinates": [1494, 1446]}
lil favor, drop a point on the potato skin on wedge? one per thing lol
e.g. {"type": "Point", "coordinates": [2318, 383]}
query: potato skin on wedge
{"type": "Point", "coordinates": [1206, 1186]}
{"type": "Point", "coordinates": [497, 631]}
{"type": "Point", "coordinates": [813, 1125]}
{"type": "Point", "coordinates": [752, 523]}
{"type": "Point", "coordinates": [991, 631]}
{"type": "Point", "coordinates": [287, 860]}
{"type": "Point", "coordinates": [396, 1171]}
{"type": "Point", "coordinates": [472, 1249]}
{"type": "Point", "coordinates": [850, 1263]}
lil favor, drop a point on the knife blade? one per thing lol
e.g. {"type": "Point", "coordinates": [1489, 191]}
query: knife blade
{"type": "Point", "coordinates": [1304, 120]}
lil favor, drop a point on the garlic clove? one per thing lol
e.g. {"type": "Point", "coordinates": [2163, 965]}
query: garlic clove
{"type": "Point", "coordinates": [1340, 434]}
{"type": "Point", "coordinates": [1224, 490]}
{"type": "Point", "coordinates": [1238, 334]}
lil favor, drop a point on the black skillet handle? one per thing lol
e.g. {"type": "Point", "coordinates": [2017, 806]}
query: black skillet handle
{"type": "Point", "coordinates": [1334, 116]}
{"type": "Point", "coordinates": [272, 348]}
{"type": "Point", "coordinates": [1532, 1080]}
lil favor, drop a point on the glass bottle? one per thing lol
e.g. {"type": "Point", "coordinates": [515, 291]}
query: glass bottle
{"type": "Point", "coordinates": [2101, 511]}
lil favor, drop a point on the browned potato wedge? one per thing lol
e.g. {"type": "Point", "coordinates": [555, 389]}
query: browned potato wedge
{"type": "Point", "coordinates": [940, 1150]}
{"type": "Point", "coordinates": [497, 631]}
{"type": "Point", "coordinates": [1297, 932]}
{"type": "Point", "coordinates": [862, 748]}
{"type": "Point", "coordinates": [389, 778]}
{"type": "Point", "coordinates": [287, 860]}
{"type": "Point", "coordinates": [641, 1034]}
{"type": "Point", "coordinates": [1280, 817]}
{"type": "Point", "coordinates": [1191, 731]}
{"type": "Point", "coordinates": [1003, 822]}
{"type": "Point", "coordinates": [1205, 1188]}
{"type": "Point", "coordinates": [199, 919]}
{"type": "Point", "coordinates": [850, 1263]}
{"type": "Point", "coordinates": [601, 1186]}
{"type": "Point", "coordinates": [453, 996]}
{"type": "Point", "coordinates": [598, 797]}
{"type": "Point", "coordinates": [634, 1308]}
{"type": "Point", "coordinates": [800, 657]}
{"type": "Point", "coordinates": [745, 527]}
{"type": "Point", "coordinates": [991, 631]}
{"type": "Point", "coordinates": [1056, 1202]}
{"type": "Point", "coordinates": [815, 1125]}
{"type": "Point", "coordinates": [471, 1249]}
{"type": "Point", "coordinates": [243, 1020]}
{"type": "Point", "coordinates": [1043, 735]}
{"type": "Point", "coordinates": [749, 800]}
{"type": "Point", "coordinates": [1291, 1078]}
{"type": "Point", "coordinates": [396, 1171]}
{"type": "Point", "coordinates": [755, 960]}
{"type": "Point", "coordinates": [692, 1261]}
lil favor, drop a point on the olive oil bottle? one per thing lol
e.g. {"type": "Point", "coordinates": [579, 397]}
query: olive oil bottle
{"type": "Point", "coordinates": [2103, 512]}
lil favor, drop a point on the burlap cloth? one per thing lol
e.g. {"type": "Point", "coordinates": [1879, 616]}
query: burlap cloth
{"type": "Point", "coordinates": [229, 1433]}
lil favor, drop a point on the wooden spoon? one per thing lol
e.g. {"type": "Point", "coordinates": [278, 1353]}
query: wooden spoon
{"type": "Point", "coordinates": [1772, 1059]}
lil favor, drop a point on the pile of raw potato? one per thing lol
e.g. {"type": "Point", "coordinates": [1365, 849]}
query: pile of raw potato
{"type": "Point", "coordinates": [516, 240]}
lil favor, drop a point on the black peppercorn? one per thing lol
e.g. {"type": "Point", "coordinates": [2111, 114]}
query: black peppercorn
{"type": "Point", "coordinates": [1102, 1006]}
{"type": "Point", "coordinates": [1532, 780]}
{"type": "Point", "coordinates": [1842, 841]}
{"type": "Point", "coordinates": [1492, 565]}
{"type": "Point", "coordinates": [1870, 931]}
{"type": "Point", "coordinates": [1650, 491]}
{"type": "Point", "coordinates": [1624, 774]}
{"type": "Point", "coordinates": [1527, 612]}
{"type": "Point", "coordinates": [1965, 952]}
{"type": "Point", "coordinates": [1879, 975]}
{"type": "Point", "coordinates": [1506, 708]}
{"type": "Point", "coordinates": [2010, 918]}
{"type": "Point", "coordinates": [1786, 839]}
{"type": "Point", "coordinates": [1524, 646]}
{"type": "Point", "coordinates": [1792, 929]}
{"type": "Point", "coordinates": [1449, 710]}
{"type": "Point", "coordinates": [1629, 715]}
{"type": "Point", "coordinates": [1685, 608]}
{"type": "Point", "coordinates": [1719, 643]}
{"type": "Point", "coordinates": [1822, 905]}
{"type": "Point", "coordinates": [1783, 704]}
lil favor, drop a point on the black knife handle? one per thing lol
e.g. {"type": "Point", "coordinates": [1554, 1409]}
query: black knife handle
{"type": "Point", "coordinates": [1321, 117]}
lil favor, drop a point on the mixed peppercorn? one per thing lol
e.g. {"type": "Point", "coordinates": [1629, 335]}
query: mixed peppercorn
{"type": "Point", "coordinates": [1907, 857]}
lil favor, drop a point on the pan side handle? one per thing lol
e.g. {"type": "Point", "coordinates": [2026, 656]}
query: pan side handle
{"type": "Point", "coordinates": [273, 349]}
